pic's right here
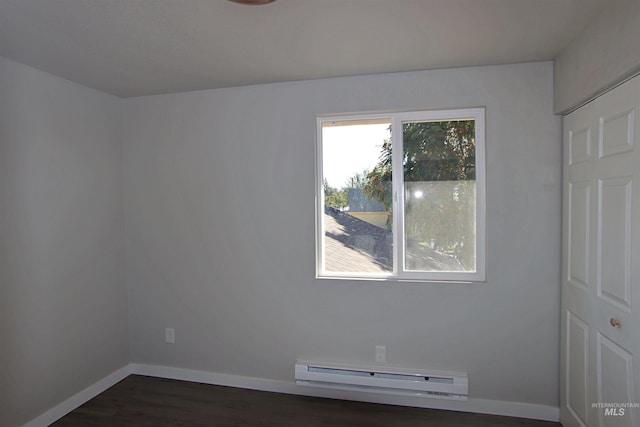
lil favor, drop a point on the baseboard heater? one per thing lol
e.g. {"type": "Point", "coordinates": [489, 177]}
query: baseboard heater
{"type": "Point", "coordinates": [378, 379]}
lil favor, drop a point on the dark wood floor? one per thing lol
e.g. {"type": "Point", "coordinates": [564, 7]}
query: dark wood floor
{"type": "Point", "coordinates": [154, 402]}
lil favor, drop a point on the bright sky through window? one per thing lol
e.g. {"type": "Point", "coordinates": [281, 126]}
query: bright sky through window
{"type": "Point", "coordinates": [351, 149]}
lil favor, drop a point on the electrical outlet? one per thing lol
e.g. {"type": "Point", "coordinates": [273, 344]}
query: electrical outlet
{"type": "Point", "coordinates": [169, 335]}
{"type": "Point", "coordinates": [381, 353]}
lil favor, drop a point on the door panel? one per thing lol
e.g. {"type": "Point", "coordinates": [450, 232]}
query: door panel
{"type": "Point", "coordinates": [579, 201]}
{"type": "Point", "coordinates": [614, 242]}
{"type": "Point", "coordinates": [615, 380]}
{"type": "Point", "coordinates": [601, 269]}
{"type": "Point", "coordinates": [616, 132]}
{"type": "Point", "coordinates": [577, 344]}
{"type": "Point", "coordinates": [577, 268]}
{"type": "Point", "coordinates": [580, 146]}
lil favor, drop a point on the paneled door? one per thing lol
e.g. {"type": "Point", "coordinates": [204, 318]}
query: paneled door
{"type": "Point", "coordinates": [600, 348]}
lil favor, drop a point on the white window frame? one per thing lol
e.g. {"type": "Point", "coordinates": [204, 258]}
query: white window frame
{"type": "Point", "coordinates": [396, 119]}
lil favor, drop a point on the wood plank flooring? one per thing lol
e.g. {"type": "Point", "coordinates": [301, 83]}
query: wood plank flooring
{"type": "Point", "coordinates": [155, 402]}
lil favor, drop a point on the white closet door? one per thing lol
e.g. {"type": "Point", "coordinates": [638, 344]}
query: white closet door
{"type": "Point", "coordinates": [600, 345]}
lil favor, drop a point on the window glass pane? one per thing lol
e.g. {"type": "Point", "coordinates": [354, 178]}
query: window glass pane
{"type": "Point", "coordinates": [356, 177]}
{"type": "Point", "coordinates": [439, 195]}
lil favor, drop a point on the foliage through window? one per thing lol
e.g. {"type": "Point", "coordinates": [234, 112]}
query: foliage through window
{"type": "Point", "coordinates": [402, 196]}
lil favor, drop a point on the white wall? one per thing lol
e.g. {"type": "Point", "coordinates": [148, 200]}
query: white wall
{"type": "Point", "coordinates": [219, 214]}
{"type": "Point", "coordinates": [63, 302]}
{"type": "Point", "coordinates": [602, 56]}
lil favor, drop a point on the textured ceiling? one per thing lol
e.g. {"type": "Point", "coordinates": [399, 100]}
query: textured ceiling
{"type": "Point", "coordinates": [142, 47]}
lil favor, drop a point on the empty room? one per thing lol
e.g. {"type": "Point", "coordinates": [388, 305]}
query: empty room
{"type": "Point", "coordinates": [331, 212]}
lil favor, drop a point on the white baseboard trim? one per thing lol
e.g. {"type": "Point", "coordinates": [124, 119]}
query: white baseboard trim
{"type": "Point", "coordinates": [62, 409]}
{"type": "Point", "coordinates": [481, 406]}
